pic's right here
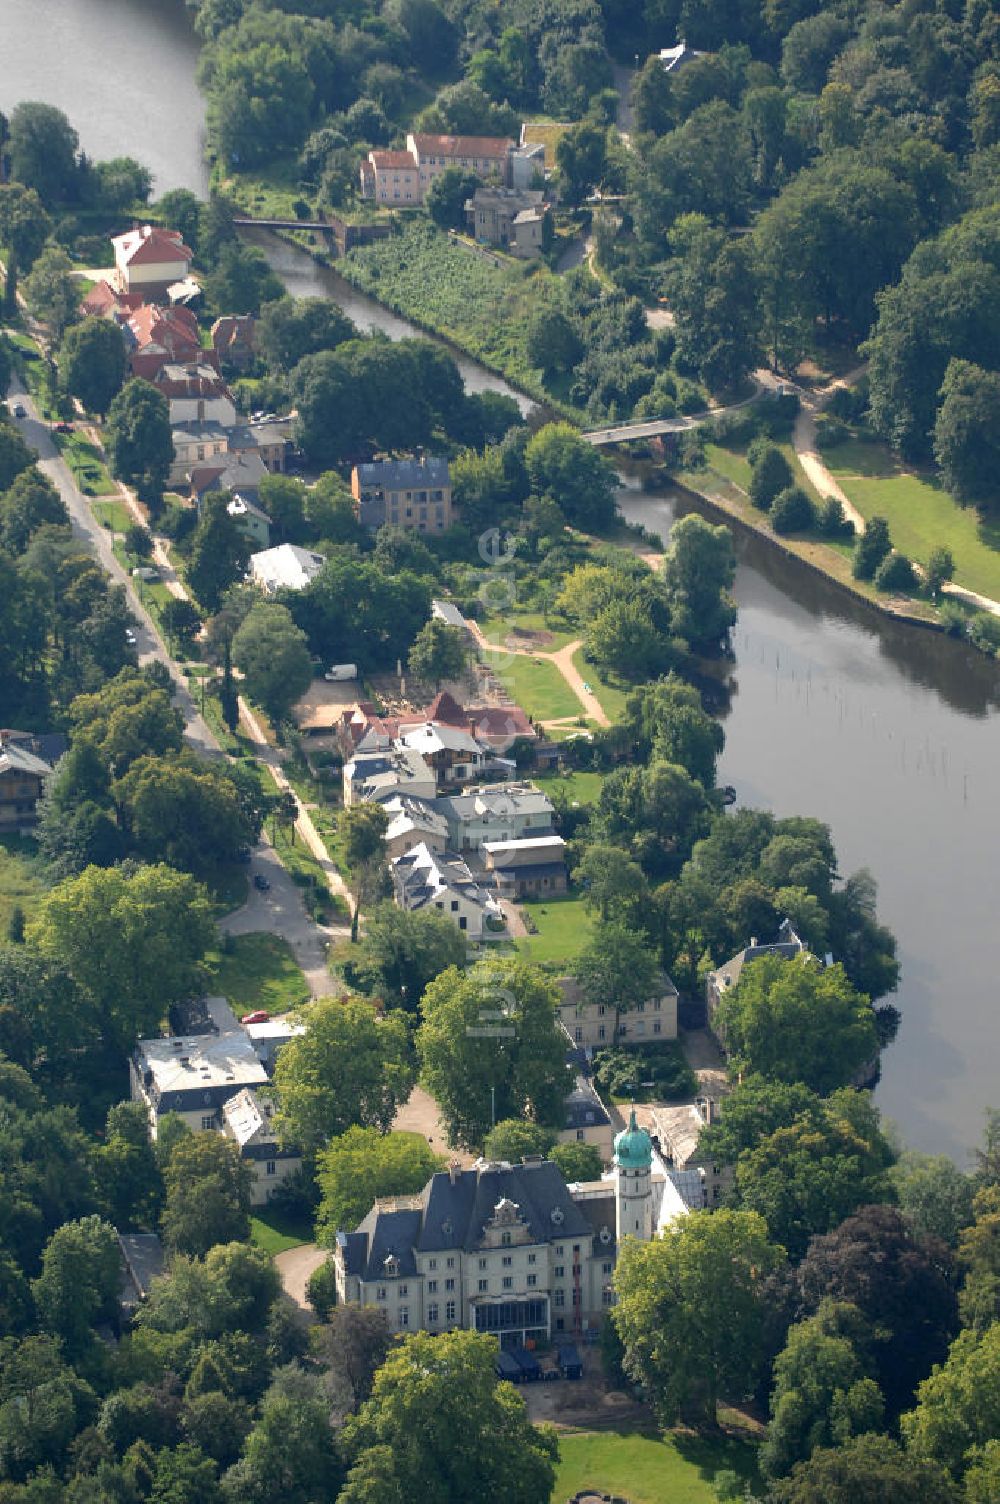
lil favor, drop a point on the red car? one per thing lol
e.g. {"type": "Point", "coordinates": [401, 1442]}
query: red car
{"type": "Point", "coordinates": [260, 1017]}
{"type": "Point", "coordinates": [62, 427]}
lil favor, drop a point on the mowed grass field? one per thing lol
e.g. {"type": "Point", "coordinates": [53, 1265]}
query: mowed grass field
{"type": "Point", "coordinates": [647, 1469]}
{"type": "Point", "coordinates": [257, 971]}
{"type": "Point", "coordinates": [921, 514]}
{"type": "Point", "coordinates": [564, 927]}
{"type": "Point", "coordinates": [537, 686]}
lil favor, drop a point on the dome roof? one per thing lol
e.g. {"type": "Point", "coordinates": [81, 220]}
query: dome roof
{"type": "Point", "coordinates": [633, 1146]}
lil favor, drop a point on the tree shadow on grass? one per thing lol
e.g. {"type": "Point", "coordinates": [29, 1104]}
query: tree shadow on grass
{"type": "Point", "coordinates": [713, 1453]}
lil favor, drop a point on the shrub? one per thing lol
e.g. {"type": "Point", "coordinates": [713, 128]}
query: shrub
{"type": "Point", "coordinates": [832, 522]}
{"type": "Point", "coordinates": [896, 573]}
{"type": "Point", "coordinates": [830, 432]}
{"type": "Point", "coordinates": [984, 632]}
{"type": "Point", "coordinates": [771, 475]}
{"type": "Point", "coordinates": [953, 619]}
{"type": "Point", "coordinates": [321, 1289]}
{"type": "Point", "coordinates": [792, 511]}
{"type": "Point", "coordinates": [871, 548]}
{"type": "Point", "coordinates": [850, 403]}
{"type": "Point", "coordinates": [628, 1073]}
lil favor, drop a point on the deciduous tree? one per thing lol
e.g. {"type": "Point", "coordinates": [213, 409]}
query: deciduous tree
{"type": "Point", "coordinates": [401, 952]}
{"type": "Point", "coordinates": [363, 1163]}
{"type": "Point", "coordinates": [92, 363]}
{"type": "Point", "coordinates": [272, 654]}
{"type": "Point", "coordinates": [690, 1311]}
{"type": "Point", "coordinates": [490, 1035]}
{"type": "Point", "coordinates": [208, 1194]}
{"type": "Point", "coordinates": [350, 1068]}
{"type": "Point", "coordinates": [138, 434]}
{"type": "Point", "coordinates": [699, 569]}
{"type": "Point", "coordinates": [437, 1411]}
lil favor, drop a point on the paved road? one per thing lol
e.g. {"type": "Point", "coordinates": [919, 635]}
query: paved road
{"type": "Point", "coordinates": [85, 525]}
{"type": "Point", "coordinates": [279, 911]}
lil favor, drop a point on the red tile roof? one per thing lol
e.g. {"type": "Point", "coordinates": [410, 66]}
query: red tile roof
{"type": "Point", "coordinates": [462, 146]}
{"type": "Point", "coordinates": [103, 299]}
{"type": "Point", "coordinates": [150, 244]}
{"type": "Point", "coordinates": [388, 160]}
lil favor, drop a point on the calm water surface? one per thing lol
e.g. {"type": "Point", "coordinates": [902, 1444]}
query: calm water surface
{"type": "Point", "coordinates": [890, 734]}
{"type": "Point", "coordinates": [122, 70]}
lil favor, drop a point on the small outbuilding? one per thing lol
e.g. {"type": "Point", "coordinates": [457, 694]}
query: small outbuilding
{"type": "Point", "coordinates": [570, 1362]}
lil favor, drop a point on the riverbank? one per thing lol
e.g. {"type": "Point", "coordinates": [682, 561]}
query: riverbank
{"type": "Point", "coordinates": [712, 489]}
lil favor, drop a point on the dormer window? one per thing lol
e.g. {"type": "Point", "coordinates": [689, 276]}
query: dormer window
{"type": "Point", "coordinates": [505, 1239]}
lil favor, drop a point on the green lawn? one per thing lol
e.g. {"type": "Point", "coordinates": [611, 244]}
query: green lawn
{"type": "Point", "coordinates": [259, 971]}
{"type": "Point", "coordinates": [504, 625]}
{"type": "Point", "coordinates": [19, 885]}
{"type": "Point", "coordinates": [647, 1469]}
{"type": "Point", "coordinates": [582, 785]}
{"type": "Point", "coordinates": [921, 515]}
{"type": "Point", "coordinates": [88, 467]}
{"type": "Point", "coordinates": [564, 926]}
{"type": "Point", "coordinates": [611, 696]}
{"type": "Point", "coordinates": [114, 515]}
{"type": "Point", "coordinates": [273, 1231]}
{"type": "Point", "coordinates": [537, 685]}
{"type": "Point", "coordinates": [732, 462]}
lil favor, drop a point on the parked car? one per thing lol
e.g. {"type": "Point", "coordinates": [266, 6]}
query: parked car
{"type": "Point", "coordinates": [338, 672]}
{"type": "Point", "coordinates": [260, 882]}
{"type": "Point", "coordinates": [19, 411]}
{"type": "Point", "coordinates": [259, 1017]}
{"type": "Point", "coordinates": [62, 428]}
{"type": "Point", "coordinates": [130, 637]}
{"type": "Point", "coordinates": [145, 572]}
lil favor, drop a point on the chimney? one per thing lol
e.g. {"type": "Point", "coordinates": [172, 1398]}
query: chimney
{"type": "Point", "coordinates": [454, 1171]}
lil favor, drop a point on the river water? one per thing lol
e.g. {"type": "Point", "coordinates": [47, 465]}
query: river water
{"type": "Point", "coordinates": [889, 733]}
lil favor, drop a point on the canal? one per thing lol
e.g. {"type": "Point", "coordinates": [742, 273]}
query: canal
{"type": "Point", "coordinates": [888, 733]}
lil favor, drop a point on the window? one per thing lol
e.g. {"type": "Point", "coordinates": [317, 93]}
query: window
{"type": "Point", "coordinates": [601, 1032]}
{"type": "Point", "coordinates": [482, 1263]}
{"type": "Point", "coordinates": [578, 1035]}
{"type": "Point", "coordinates": [432, 1286]}
{"type": "Point", "coordinates": [484, 1286]}
{"type": "Point", "coordinates": [463, 923]}
{"type": "Point", "coordinates": [531, 1258]}
{"type": "Point", "coordinates": [657, 1026]}
{"type": "Point", "coordinates": [656, 1005]}
{"type": "Point", "coordinates": [505, 1240]}
{"type": "Point", "coordinates": [580, 1135]}
{"type": "Point", "coordinates": [532, 1281]}
{"type": "Point", "coordinates": [404, 1290]}
{"type": "Point", "coordinates": [559, 1298]}
{"type": "Point", "coordinates": [449, 1284]}
{"type": "Point", "coordinates": [449, 1311]}
{"type": "Point", "coordinates": [560, 1324]}
{"type": "Point", "coordinates": [404, 1316]}
{"type": "Point", "coordinates": [576, 1248]}
{"type": "Point", "coordinates": [449, 1263]}
{"type": "Point", "coordinates": [601, 1011]}
{"type": "Point", "coordinates": [380, 1293]}
{"type": "Point", "coordinates": [270, 1168]}
{"type": "Point", "coordinates": [432, 1314]}
{"type": "Point", "coordinates": [454, 906]}
{"type": "Point", "coordinates": [608, 1297]}
{"type": "Point", "coordinates": [561, 1249]}
{"type": "Point", "coordinates": [640, 1008]}
{"type": "Point", "coordinates": [507, 1260]}
{"type": "Point", "coordinates": [577, 1294]}
{"type": "Point", "coordinates": [560, 1271]}
{"type": "Point", "coordinates": [432, 1263]}
{"type": "Point", "coordinates": [208, 1121]}
{"type": "Point", "coordinates": [606, 1268]}
{"type": "Point", "coordinates": [508, 1282]}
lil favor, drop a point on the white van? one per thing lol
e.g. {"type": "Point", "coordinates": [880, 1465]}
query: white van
{"type": "Point", "coordinates": [338, 672]}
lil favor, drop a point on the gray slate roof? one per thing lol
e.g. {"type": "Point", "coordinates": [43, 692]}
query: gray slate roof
{"type": "Point", "coordinates": [405, 475]}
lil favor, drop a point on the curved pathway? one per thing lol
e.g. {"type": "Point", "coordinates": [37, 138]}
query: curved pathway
{"type": "Point", "coordinates": [804, 444]}
{"type": "Point", "coordinates": [561, 660]}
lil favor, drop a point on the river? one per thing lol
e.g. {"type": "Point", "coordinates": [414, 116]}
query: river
{"type": "Point", "coordinates": [887, 732]}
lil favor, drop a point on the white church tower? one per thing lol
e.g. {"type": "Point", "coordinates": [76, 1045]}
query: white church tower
{"type": "Point", "coordinates": [633, 1164]}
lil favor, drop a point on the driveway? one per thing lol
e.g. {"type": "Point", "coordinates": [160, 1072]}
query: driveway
{"type": "Point", "coordinates": [280, 911]}
{"type": "Point", "coordinates": [295, 1266]}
